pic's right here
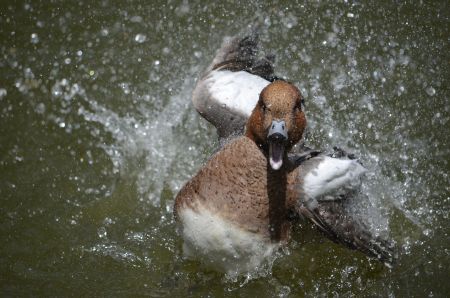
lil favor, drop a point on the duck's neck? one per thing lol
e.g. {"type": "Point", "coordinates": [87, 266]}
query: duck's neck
{"type": "Point", "coordinates": [276, 192]}
{"type": "Point", "coordinates": [278, 211]}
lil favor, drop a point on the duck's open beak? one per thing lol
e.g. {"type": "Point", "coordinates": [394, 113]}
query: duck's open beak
{"type": "Point", "coordinates": [277, 138]}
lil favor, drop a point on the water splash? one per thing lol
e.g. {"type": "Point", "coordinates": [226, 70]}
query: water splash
{"type": "Point", "coordinates": [163, 162]}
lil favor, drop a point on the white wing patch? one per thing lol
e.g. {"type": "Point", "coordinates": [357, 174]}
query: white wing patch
{"type": "Point", "coordinates": [331, 174]}
{"type": "Point", "coordinates": [237, 91]}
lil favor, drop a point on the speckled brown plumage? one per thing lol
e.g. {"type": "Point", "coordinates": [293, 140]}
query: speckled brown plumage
{"type": "Point", "coordinates": [238, 185]}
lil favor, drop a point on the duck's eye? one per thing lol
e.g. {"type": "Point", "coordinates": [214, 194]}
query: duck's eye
{"type": "Point", "coordinates": [263, 107]}
{"type": "Point", "coordinates": [300, 104]}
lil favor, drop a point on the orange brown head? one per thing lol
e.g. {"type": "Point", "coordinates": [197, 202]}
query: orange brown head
{"type": "Point", "coordinates": [277, 122]}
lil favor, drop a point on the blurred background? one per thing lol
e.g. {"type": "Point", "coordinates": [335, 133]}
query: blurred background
{"type": "Point", "coordinates": [97, 135]}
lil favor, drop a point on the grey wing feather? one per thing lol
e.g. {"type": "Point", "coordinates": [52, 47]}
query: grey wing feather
{"type": "Point", "coordinates": [326, 200]}
{"type": "Point", "coordinates": [332, 218]}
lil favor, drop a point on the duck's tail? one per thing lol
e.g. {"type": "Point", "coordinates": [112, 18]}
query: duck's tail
{"type": "Point", "coordinates": [242, 54]}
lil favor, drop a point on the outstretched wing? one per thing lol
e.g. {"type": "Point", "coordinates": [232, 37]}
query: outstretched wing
{"type": "Point", "coordinates": [227, 93]}
{"type": "Point", "coordinates": [333, 219]}
{"type": "Point", "coordinates": [324, 185]}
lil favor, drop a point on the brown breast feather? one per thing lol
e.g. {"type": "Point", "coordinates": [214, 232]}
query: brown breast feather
{"type": "Point", "coordinates": [238, 185]}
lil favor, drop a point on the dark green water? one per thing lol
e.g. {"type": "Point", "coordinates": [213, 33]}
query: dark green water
{"type": "Point", "coordinates": [97, 134]}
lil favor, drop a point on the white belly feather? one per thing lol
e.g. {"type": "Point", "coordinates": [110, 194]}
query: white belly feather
{"type": "Point", "coordinates": [221, 244]}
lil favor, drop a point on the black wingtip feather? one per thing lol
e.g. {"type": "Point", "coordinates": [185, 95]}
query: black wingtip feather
{"type": "Point", "coordinates": [241, 54]}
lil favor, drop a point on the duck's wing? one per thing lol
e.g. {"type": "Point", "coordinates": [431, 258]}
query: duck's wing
{"type": "Point", "coordinates": [324, 184]}
{"type": "Point", "coordinates": [227, 93]}
{"type": "Point", "coordinates": [335, 221]}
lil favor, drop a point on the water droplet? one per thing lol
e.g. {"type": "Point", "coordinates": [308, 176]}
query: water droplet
{"type": "Point", "coordinates": [140, 38]}
{"type": "Point", "coordinates": [40, 108]}
{"type": "Point", "coordinates": [34, 38]}
{"type": "Point", "coordinates": [56, 90]}
{"type": "Point", "coordinates": [375, 74]}
{"type": "Point", "coordinates": [104, 32]}
{"type": "Point", "coordinates": [430, 91]}
{"type": "Point", "coordinates": [125, 87]}
{"type": "Point", "coordinates": [3, 93]}
{"type": "Point", "coordinates": [166, 50]}
{"type": "Point", "coordinates": [284, 291]}
{"type": "Point", "coordinates": [101, 232]}
{"type": "Point", "coordinates": [136, 19]}
{"type": "Point", "coordinates": [198, 54]}
{"type": "Point", "coordinates": [108, 221]}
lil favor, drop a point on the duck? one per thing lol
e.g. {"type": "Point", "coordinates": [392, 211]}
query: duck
{"type": "Point", "coordinates": [240, 207]}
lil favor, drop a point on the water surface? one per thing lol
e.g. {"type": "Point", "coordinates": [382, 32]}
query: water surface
{"type": "Point", "coordinates": [97, 135]}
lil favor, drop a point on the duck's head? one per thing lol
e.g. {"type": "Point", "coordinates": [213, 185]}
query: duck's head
{"type": "Point", "coordinates": [277, 122]}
